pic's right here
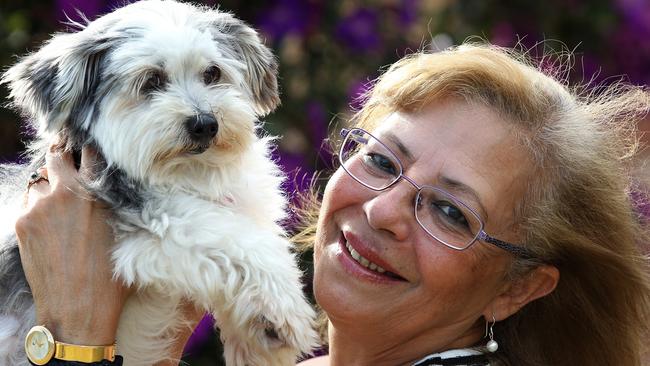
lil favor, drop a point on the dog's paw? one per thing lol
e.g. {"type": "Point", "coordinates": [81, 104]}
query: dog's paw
{"type": "Point", "coordinates": [290, 328]}
{"type": "Point", "coordinates": [293, 329]}
{"type": "Point", "coordinates": [261, 333]}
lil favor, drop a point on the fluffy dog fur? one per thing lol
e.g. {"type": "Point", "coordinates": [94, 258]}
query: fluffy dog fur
{"type": "Point", "coordinates": [196, 217]}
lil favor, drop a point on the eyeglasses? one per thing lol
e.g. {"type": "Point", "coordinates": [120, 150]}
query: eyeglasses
{"type": "Point", "coordinates": [444, 217]}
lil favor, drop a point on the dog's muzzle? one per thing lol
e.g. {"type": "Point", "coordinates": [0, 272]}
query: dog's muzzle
{"type": "Point", "coordinates": [201, 128]}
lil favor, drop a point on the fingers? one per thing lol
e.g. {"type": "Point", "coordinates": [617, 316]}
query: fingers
{"type": "Point", "coordinates": [60, 166]}
{"type": "Point", "coordinates": [64, 179]}
{"type": "Point", "coordinates": [63, 174]}
{"type": "Point", "coordinates": [88, 161]}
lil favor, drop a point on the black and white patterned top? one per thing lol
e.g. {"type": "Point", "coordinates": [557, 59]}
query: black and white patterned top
{"type": "Point", "coordinates": [455, 357]}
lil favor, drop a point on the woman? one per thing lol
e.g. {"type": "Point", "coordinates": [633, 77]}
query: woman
{"type": "Point", "coordinates": [480, 215]}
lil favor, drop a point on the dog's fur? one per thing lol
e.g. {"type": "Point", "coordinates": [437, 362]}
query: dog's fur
{"type": "Point", "coordinates": [195, 219]}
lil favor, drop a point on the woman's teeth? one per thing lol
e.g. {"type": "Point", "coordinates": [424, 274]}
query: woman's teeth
{"type": "Point", "coordinates": [363, 261]}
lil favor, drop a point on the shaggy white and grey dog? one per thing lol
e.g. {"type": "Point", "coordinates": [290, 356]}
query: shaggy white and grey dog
{"type": "Point", "coordinates": [169, 94]}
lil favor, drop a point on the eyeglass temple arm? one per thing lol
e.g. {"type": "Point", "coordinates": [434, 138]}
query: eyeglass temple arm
{"type": "Point", "coordinates": [516, 250]}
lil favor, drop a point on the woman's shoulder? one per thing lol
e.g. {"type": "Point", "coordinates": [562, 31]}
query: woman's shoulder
{"type": "Point", "coordinates": [316, 361]}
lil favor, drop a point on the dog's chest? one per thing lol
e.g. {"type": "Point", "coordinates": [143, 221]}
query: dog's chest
{"type": "Point", "coordinates": [163, 212]}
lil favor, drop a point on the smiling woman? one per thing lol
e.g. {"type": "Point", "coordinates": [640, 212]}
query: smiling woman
{"type": "Point", "coordinates": [482, 206]}
{"type": "Point", "coordinates": [428, 267]}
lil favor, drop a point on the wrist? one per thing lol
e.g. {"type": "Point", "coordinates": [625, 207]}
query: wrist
{"type": "Point", "coordinates": [80, 326]}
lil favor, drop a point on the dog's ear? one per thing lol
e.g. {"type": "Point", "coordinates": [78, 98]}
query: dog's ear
{"type": "Point", "coordinates": [55, 87]}
{"type": "Point", "coordinates": [262, 66]}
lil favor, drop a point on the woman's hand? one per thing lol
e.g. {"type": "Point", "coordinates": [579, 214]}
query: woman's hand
{"type": "Point", "coordinates": [64, 241]}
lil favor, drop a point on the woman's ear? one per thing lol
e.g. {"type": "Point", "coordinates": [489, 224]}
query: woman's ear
{"type": "Point", "coordinates": [538, 283]}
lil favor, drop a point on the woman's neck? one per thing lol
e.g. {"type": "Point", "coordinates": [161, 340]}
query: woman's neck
{"type": "Point", "coordinates": [355, 347]}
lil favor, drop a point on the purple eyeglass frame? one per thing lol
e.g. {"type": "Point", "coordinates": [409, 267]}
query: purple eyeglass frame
{"type": "Point", "coordinates": [482, 235]}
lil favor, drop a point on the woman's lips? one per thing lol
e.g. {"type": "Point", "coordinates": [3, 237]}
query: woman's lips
{"type": "Point", "coordinates": [365, 259]}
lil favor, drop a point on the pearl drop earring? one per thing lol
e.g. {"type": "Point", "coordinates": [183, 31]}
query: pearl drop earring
{"type": "Point", "coordinates": [492, 345]}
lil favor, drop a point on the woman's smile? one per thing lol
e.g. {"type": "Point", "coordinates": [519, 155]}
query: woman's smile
{"type": "Point", "coordinates": [361, 260]}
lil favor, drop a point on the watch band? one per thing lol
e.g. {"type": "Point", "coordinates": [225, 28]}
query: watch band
{"type": "Point", "coordinates": [54, 362]}
{"type": "Point", "coordinates": [87, 354]}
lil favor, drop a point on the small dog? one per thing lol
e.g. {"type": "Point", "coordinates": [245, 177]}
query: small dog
{"type": "Point", "coordinates": [168, 94]}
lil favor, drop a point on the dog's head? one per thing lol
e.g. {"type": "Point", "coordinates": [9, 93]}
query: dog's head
{"type": "Point", "coordinates": [154, 84]}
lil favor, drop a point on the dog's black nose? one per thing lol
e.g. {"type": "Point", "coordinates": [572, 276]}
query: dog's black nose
{"type": "Point", "coordinates": [202, 127]}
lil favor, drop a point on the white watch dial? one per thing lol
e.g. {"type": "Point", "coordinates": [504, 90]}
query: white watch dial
{"type": "Point", "coordinates": [39, 345]}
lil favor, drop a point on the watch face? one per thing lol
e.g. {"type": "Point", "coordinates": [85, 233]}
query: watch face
{"type": "Point", "coordinates": [39, 345]}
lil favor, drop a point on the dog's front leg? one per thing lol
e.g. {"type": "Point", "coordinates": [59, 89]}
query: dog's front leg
{"type": "Point", "coordinates": [226, 263]}
{"type": "Point", "coordinates": [267, 320]}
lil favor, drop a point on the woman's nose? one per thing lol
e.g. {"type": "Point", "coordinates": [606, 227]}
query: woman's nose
{"type": "Point", "coordinates": [392, 210]}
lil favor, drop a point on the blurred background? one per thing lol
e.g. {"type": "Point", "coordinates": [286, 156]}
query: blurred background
{"type": "Point", "coordinates": [330, 50]}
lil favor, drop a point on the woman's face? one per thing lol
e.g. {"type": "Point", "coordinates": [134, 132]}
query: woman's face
{"type": "Point", "coordinates": [435, 295]}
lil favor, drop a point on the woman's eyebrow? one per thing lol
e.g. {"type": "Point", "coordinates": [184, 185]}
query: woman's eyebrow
{"type": "Point", "coordinates": [400, 146]}
{"type": "Point", "coordinates": [454, 185]}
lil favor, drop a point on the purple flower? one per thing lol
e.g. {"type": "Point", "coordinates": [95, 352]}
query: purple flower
{"type": "Point", "coordinates": [631, 56]}
{"type": "Point", "coordinates": [317, 128]}
{"type": "Point", "coordinates": [408, 12]}
{"type": "Point", "coordinates": [637, 15]}
{"type": "Point", "coordinates": [317, 117]}
{"type": "Point", "coordinates": [71, 8]}
{"type": "Point", "coordinates": [357, 92]}
{"type": "Point", "coordinates": [299, 178]}
{"type": "Point", "coordinates": [285, 17]}
{"type": "Point", "coordinates": [90, 9]}
{"type": "Point", "coordinates": [503, 34]}
{"type": "Point", "coordinates": [200, 335]}
{"type": "Point", "coordinates": [360, 30]}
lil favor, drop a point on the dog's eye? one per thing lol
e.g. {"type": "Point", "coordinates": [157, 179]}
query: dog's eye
{"type": "Point", "coordinates": [211, 75]}
{"type": "Point", "coordinates": [155, 81]}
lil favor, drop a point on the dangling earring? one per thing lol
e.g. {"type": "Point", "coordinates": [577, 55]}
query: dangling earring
{"type": "Point", "coordinates": [492, 345]}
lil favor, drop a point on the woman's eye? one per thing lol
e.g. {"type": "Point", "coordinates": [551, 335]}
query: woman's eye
{"type": "Point", "coordinates": [155, 81]}
{"type": "Point", "coordinates": [452, 213]}
{"type": "Point", "coordinates": [212, 75]}
{"type": "Point", "coordinates": [381, 162]}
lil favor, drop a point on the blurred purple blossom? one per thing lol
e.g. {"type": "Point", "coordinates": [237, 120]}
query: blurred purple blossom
{"type": "Point", "coordinates": [91, 9]}
{"type": "Point", "coordinates": [503, 34]}
{"type": "Point", "coordinates": [360, 30]}
{"type": "Point", "coordinates": [637, 15]}
{"type": "Point", "coordinates": [408, 12]}
{"type": "Point", "coordinates": [356, 93]}
{"type": "Point", "coordinates": [317, 127]}
{"type": "Point", "coordinates": [201, 334]}
{"type": "Point", "coordinates": [632, 55]}
{"type": "Point", "coordinates": [288, 17]}
{"type": "Point", "coordinates": [71, 8]}
{"type": "Point", "coordinates": [317, 117]}
{"type": "Point", "coordinates": [293, 164]}
{"type": "Point", "coordinates": [631, 41]}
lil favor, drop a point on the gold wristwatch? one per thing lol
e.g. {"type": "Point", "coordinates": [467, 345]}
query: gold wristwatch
{"type": "Point", "coordinates": [40, 348]}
